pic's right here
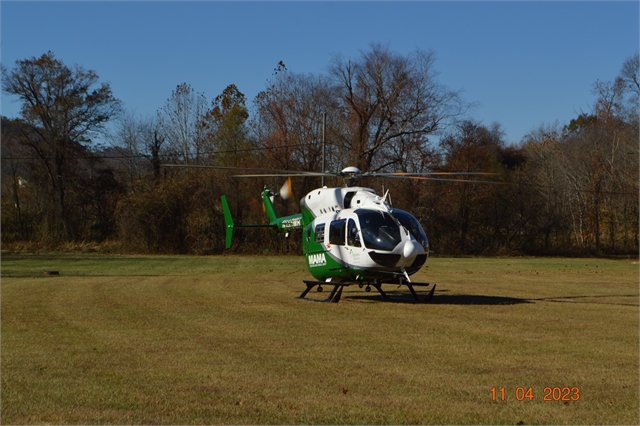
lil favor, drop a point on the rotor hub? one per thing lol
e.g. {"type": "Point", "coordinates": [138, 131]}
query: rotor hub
{"type": "Point", "coordinates": [351, 175]}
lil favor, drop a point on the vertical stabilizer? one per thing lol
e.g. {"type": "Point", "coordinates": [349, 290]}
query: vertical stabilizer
{"type": "Point", "coordinates": [268, 206]}
{"type": "Point", "coordinates": [228, 221]}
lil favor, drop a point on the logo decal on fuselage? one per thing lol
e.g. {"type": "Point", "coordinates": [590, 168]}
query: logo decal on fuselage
{"type": "Point", "coordinates": [317, 260]}
{"type": "Point", "coordinates": [295, 222]}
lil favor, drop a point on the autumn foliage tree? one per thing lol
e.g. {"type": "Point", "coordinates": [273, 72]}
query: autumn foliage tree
{"type": "Point", "coordinates": [63, 110]}
{"type": "Point", "coordinates": [472, 217]}
{"type": "Point", "coordinates": [227, 132]}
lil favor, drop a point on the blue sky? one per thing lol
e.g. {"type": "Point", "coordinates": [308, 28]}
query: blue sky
{"type": "Point", "coordinates": [524, 63]}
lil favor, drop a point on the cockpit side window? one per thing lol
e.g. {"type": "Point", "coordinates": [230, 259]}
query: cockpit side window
{"type": "Point", "coordinates": [412, 225]}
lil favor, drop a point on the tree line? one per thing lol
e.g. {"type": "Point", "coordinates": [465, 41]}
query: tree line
{"type": "Point", "coordinates": [79, 169]}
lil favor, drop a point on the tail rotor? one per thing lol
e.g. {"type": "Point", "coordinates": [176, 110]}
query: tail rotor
{"type": "Point", "coordinates": [286, 191]}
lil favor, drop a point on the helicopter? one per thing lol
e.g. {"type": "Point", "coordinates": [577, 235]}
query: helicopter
{"type": "Point", "coordinates": [350, 234]}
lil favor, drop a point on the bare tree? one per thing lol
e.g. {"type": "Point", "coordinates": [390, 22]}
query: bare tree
{"type": "Point", "coordinates": [154, 144]}
{"type": "Point", "coordinates": [388, 98]}
{"type": "Point", "coordinates": [143, 142]}
{"type": "Point", "coordinates": [127, 134]}
{"type": "Point", "coordinates": [547, 188]}
{"type": "Point", "coordinates": [184, 124]}
{"type": "Point", "coordinates": [585, 177]}
{"type": "Point", "coordinates": [289, 117]}
{"type": "Point", "coordinates": [630, 74]}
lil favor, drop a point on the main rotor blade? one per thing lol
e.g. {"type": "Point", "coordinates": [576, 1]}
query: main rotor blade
{"type": "Point", "coordinates": [409, 175]}
{"type": "Point", "coordinates": [455, 180]}
{"type": "Point", "coordinates": [300, 173]}
{"type": "Point", "coordinates": [195, 166]}
{"type": "Point", "coordinates": [289, 174]}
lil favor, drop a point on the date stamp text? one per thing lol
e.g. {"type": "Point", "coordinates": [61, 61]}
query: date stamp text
{"type": "Point", "coordinates": [556, 393]}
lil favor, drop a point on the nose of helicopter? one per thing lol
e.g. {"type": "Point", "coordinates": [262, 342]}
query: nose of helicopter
{"type": "Point", "coordinates": [410, 250]}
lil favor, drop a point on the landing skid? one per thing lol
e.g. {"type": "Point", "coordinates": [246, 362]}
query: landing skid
{"type": "Point", "coordinates": [336, 293]}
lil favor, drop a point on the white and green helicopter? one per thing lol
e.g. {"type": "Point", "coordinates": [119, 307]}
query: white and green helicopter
{"type": "Point", "coordinates": [350, 235]}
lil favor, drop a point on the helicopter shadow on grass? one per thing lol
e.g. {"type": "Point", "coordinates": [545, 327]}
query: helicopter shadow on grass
{"type": "Point", "coordinates": [441, 299]}
{"type": "Point", "coordinates": [476, 299]}
{"type": "Point", "coordinates": [399, 296]}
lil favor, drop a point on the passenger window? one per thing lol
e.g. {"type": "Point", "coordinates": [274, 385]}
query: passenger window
{"type": "Point", "coordinates": [348, 198]}
{"type": "Point", "coordinates": [337, 232]}
{"type": "Point", "coordinates": [320, 233]}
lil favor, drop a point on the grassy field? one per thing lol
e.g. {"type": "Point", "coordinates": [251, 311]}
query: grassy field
{"type": "Point", "coordinates": [185, 340]}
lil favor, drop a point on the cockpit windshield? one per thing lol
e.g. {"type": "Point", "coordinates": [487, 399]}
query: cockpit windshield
{"type": "Point", "coordinates": [412, 225]}
{"type": "Point", "coordinates": [380, 231]}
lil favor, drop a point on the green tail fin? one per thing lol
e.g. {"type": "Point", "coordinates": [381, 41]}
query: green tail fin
{"type": "Point", "coordinates": [279, 224]}
{"type": "Point", "coordinates": [268, 206]}
{"type": "Point", "coordinates": [228, 221]}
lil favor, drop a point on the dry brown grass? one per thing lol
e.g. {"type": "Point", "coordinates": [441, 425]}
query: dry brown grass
{"type": "Point", "coordinates": [222, 340]}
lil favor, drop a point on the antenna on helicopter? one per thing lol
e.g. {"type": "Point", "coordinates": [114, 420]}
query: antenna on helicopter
{"type": "Point", "coordinates": [386, 195]}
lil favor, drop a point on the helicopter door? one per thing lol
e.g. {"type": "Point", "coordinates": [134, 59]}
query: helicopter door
{"type": "Point", "coordinates": [337, 239]}
{"type": "Point", "coordinates": [353, 234]}
{"type": "Point", "coordinates": [354, 243]}
{"type": "Point", "coordinates": [345, 242]}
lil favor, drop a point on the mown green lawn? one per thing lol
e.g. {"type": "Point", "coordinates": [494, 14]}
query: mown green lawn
{"type": "Point", "coordinates": [223, 340]}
